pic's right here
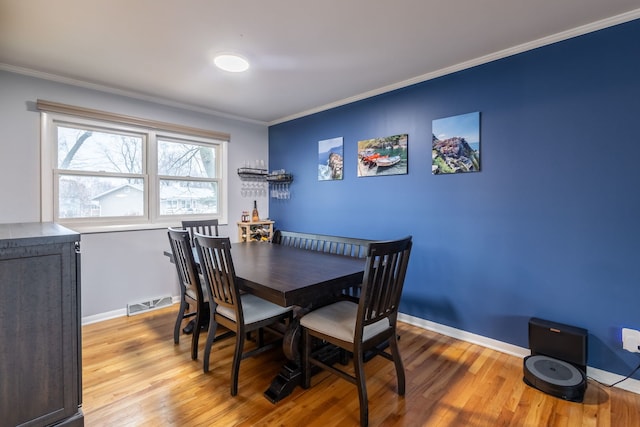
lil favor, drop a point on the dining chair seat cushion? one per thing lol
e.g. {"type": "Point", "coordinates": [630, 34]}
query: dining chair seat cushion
{"type": "Point", "coordinates": [254, 309]}
{"type": "Point", "coordinates": [339, 320]}
{"type": "Point", "coordinates": [192, 293]}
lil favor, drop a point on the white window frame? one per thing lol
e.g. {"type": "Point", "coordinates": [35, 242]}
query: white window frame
{"type": "Point", "coordinates": [151, 218]}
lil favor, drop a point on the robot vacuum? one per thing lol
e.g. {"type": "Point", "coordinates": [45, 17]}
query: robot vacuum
{"type": "Point", "coordinates": [555, 377]}
{"type": "Point", "coordinates": [558, 361]}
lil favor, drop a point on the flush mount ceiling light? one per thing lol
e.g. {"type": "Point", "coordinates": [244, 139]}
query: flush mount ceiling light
{"type": "Point", "coordinates": [231, 62]}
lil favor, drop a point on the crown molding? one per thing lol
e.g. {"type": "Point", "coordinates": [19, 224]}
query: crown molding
{"type": "Point", "coordinates": [545, 41]}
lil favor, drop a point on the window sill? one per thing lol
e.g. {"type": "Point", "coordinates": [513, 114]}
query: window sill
{"type": "Point", "coordinates": [116, 228]}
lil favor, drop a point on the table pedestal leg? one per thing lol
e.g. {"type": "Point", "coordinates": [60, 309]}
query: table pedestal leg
{"type": "Point", "coordinates": [283, 385]}
{"type": "Point", "coordinates": [290, 374]}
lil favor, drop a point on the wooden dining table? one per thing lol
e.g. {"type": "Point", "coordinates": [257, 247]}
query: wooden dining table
{"type": "Point", "coordinates": [290, 276]}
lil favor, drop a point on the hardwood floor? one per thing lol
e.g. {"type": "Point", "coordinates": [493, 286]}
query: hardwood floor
{"type": "Point", "coordinates": [133, 375]}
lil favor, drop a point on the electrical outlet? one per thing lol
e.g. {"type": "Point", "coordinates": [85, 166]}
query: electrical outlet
{"type": "Point", "coordinates": [631, 340]}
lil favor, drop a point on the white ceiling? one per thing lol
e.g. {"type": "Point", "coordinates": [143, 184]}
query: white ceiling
{"type": "Point", "coordinates": [305, 56]}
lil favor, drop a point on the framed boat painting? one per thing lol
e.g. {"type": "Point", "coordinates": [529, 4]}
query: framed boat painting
{"type": "Point", "coordinates": [456, 144]}
{"type": "Point", "coordinates": [383, 156]}
{"type": "Point", "coordinates": [330, 159]}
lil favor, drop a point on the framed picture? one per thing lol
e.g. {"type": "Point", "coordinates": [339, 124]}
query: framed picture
{"type": "Point", "coordinates": [330, 159]}
{"type": "Point", "coordinates": [383, 156]}
{"type": "Point", "coordinates": [456, 144]}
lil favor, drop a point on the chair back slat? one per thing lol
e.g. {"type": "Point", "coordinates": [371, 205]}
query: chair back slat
{"type": "Point", "coordinates": [208, 227]}
{"type": "Point", "coordinates": [218, 271]}
{"type": "Point", "coordinates": [184, 261]}
{"type": "Point", "coordinates": [383, 281]}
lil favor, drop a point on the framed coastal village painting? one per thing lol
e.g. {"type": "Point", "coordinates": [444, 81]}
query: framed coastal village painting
{"type": "Point", "coordinates": [383, 156]}
{"type": "Point", "coordinates": [456, 144]}
{"type": "Point", "coordinates": [330, 159]}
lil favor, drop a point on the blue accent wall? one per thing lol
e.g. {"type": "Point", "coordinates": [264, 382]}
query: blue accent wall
{"type": "Point", "coordinates": [550, 226]}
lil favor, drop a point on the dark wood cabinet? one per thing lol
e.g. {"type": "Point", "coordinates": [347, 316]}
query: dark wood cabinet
{"type": "Point", "coordinates": [40, 353]}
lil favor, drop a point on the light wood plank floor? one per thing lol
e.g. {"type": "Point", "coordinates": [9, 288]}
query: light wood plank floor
{"type": "Point", "coordinates": [133, 375]}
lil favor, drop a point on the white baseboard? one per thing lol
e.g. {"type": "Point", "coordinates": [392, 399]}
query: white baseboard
{"type": "Point", "coordinates": [87, 320]}
{"type": "Point", "coordinates": [606, 377]}
{"type": "Point", "coordinates": [599, 375]}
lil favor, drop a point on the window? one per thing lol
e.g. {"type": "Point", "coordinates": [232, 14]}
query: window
{"type": "Point", "coordinates": [100, 174]}
{"type": "Point", "coordinates": [187, 176]}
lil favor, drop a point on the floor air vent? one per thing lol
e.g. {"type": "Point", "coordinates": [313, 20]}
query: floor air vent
{"type": "Point", "coordinates": [152, 304]}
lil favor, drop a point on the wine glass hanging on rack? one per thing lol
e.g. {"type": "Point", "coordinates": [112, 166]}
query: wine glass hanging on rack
{"type": "Point", "coordinates": [280, 180]}
{"type": "Point", "coordinates": [253, 176]}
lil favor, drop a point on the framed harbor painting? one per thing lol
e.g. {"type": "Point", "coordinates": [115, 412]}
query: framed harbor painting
{"type": "Point", "coordinates": [330, 159]}
{"type": "Point", "coordinates": [383, 156]}
{"type": "Point", "coordinates": [456, 144]}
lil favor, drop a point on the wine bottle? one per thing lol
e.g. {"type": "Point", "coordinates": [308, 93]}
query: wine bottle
{"type": "Point", "coordinates": [254, 214]}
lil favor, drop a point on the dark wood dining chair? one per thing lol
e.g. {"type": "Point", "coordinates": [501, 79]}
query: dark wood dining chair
{"type": "Point", "coordinates": [240, 312]}
{"type": "Point", "coordinates": [202, 226]}
{"type": "Point", "coordinates": [208, 227]}
{"type": "Point", "coordinates": [193, 301]}
{"type": "Point", "coordinates": [365, 326]}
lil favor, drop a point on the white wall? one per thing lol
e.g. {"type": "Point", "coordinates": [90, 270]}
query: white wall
{"type": "Point", "coordinates": [122, 267]}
